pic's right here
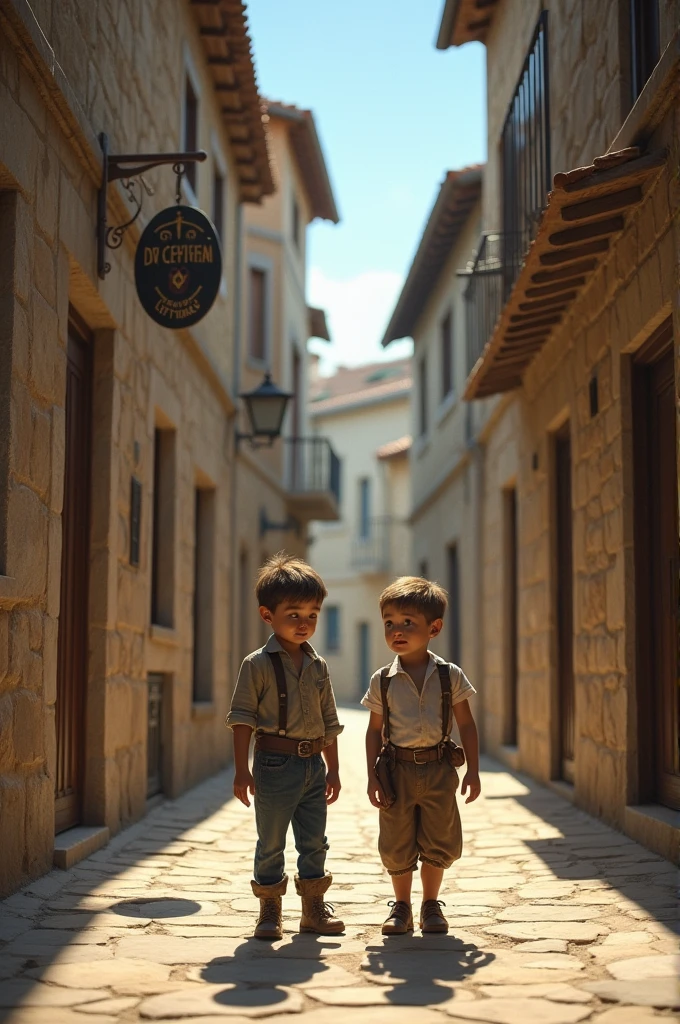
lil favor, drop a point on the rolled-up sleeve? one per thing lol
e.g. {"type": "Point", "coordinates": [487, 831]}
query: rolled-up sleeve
{"type": "Point", "coordinates": [461, 687]}
{"type": "Point", "coordinates": [372, 699]}
{"type": "Point", "coordinates": [246, 698]}
{"type": "Point", "coordinates": [329, 712]}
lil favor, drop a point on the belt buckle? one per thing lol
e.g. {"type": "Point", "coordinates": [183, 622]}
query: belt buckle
{"type": "Point", "coordinates": [415, 758]}
{"type": "Point", "coordinates": [304, 748]}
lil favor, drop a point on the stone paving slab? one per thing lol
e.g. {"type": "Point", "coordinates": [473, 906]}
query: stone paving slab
{"type": "Point", "coordinates": [555, 918]}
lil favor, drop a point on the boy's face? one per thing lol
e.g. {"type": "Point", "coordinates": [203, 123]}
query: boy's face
{"type": "Point", "coordinates": [295, 621]}
{"type": "Point", "coordinates": [408, 631]}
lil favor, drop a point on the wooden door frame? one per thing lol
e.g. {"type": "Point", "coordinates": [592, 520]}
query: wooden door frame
{"type": "Point", "coordinates": [510, 622]}
{"type": "Point", "coordinates": [654, 349]}
{"type": "Point", "coordinates": [78, 330]}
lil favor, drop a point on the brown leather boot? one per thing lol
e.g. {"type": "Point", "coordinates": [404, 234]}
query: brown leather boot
{"type": "Point", "coordinates": [431, 917]}
{"type": "Point", "coordinates": [317, 916]}
{"type": "Point", "coordinates": [399, 920]}
{"type": "Point", "coordinates": [269, 923]}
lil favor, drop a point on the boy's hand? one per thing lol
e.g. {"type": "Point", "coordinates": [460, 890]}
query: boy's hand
{"type": "Point", "coordinates": [244, 783]}
{"type": "Point", "coordinates": [471, 782]}
{"type": "Point", "coordinates": [375, 791]}
{"type": "Point", "coordinates": [333, 787]}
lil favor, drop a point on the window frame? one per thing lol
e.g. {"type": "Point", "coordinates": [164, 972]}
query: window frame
{"type": "Point", "coordinates": [446, 354]}
{"type": "Point", "coordinates": [259, 263]}
{"type": "Point", "coordinates": [423, 418]}
{"type": "Point", "coordinates": [333, 628]}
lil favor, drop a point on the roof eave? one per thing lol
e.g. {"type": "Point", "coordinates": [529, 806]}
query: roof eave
{"type": "Point", "coordinates": [403, 321]}
{"type": "Point", "coordinates": [310, 160]}
{"type": "Point", "coordinates": [464, 21]}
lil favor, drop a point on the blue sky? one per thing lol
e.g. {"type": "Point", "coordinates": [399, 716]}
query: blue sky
{"type": "Point", "coordinates": [393, 114]}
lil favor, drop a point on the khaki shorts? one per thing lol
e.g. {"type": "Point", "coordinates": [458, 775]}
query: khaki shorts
{"type": "Point", "coordinates": [423, 822]}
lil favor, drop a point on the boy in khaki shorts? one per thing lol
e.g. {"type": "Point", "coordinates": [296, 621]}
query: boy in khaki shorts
{"type": "Point", "coordinates": [423, 822]}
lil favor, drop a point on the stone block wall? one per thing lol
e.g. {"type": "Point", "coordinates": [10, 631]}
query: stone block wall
{"type": "Point", "coordinates": [116, 67]}
{"type": "Point", "coordinates": [626, 300]}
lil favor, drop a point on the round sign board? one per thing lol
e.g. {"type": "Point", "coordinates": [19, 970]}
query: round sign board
{"type": "Point", "coordinates": [178, 267]}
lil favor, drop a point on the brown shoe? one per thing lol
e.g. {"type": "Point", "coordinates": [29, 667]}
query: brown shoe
{"type": "Point", "coordinates": [270, 922]}
{"type": "Point", "coordinates": [400, 919]}
{"type": "Point", "coordinates": [317, 916]}
{"type": "Point", "coordinates": [431, 917]}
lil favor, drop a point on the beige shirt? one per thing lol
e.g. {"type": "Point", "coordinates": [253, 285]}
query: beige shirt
{"type": "Point", "coordinates": [311, 704]}
{"type": "Point", "coordinates": [416, 718]}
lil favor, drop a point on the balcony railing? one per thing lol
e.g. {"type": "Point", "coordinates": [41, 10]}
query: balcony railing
{"type": "Point", "coordinates": [484, 295]}
{"type": "Point", "coordinates": [526, 156]}
{"type": "Point", "coordinates": [383, 546]}
{"type": "Point", "coordinates": [313, 467]}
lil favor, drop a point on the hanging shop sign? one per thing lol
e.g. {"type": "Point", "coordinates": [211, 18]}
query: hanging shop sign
{"type": "Point", "coordinates": [178, 267]}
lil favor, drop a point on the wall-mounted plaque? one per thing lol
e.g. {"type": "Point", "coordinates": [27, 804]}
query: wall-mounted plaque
{"type": "Point", "coordinates": [178, 267]}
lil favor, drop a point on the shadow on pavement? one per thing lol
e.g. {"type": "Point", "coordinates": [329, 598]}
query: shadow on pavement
{"type": "Point", "coordinates": [585, 849]}
{"type": "Point", "coordinates": [421, 970]}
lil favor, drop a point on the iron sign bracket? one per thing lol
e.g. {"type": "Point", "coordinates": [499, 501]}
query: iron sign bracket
{"type": "Point", "coordinates": [129, 168]}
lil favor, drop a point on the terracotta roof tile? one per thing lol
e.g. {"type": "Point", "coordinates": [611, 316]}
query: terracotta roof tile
{"type": "Point", "coordinates": [393, 449]}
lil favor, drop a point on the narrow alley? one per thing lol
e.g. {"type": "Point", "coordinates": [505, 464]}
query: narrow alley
{"type": "Point", "coordinates": [555, 919]}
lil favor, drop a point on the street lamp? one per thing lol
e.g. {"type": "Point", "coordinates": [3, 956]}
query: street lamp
{"type": "Point", "coordinates": [266, 407]}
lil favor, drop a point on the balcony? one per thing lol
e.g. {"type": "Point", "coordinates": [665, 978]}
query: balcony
{"type": "Point", "coordinates": [484, 295]}
{"type": "Point", "coordinates": [382, 547]}
{"type": "Point", "coordinates": [313, 478]}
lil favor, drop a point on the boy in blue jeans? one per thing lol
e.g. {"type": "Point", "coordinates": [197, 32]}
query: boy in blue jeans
{"type": "Point", "coordinates": [284, 695]}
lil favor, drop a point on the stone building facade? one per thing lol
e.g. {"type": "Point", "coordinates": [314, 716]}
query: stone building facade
{"type": "Point", "coordinates": [116, 435]}
{"type": "Point", "coordinates": [572, 335]}
{"type": "Point", "coordinates": [280, 489]}
{"type": "Point", "coordinates": [364, 411]}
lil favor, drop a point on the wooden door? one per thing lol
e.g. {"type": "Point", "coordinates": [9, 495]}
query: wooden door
{"type": "Point", "coordinates": [656, 569]}
{"type": "Point", "coordinates": [510, 596]}
{"type": "Point", "coordinates": [565, 614]}
{"type": "Point", "coordinates": [663, 506]}
{"type": "Point", "coordinates": [72, 646]}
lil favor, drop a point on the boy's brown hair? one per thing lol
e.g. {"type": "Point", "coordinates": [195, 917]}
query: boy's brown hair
{"type": "Point", "coordinates": [285, 577]}
{"type": "Point", "coordinates": [413, 593]}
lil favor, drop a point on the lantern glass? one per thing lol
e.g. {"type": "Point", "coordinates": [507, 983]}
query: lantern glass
{"type": "Point", "coordinates": [266, 406]}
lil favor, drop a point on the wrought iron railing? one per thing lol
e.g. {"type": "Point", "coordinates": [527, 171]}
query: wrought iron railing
{"type": "Point", "coordinates": [483, 295]}
{"type": "Point", "coordinates": [313, 466]}
{"type": "Point", "coordinates": [526, 156]}
{"type": "Point", "coordinates": [383, 546]}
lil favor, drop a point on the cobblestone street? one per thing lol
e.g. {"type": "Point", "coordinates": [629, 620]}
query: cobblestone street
{"type": "Point", "coordinates": [554, 919]}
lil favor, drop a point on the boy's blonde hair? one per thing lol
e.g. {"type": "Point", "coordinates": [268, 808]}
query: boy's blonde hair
{"type": "Point", "coordinates": [285, 577]}
{"type": "Point", "coordinates": [416, 594]}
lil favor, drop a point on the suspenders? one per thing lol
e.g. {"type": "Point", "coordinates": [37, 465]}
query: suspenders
{"type": "Point", "coordinates": [281, 689]}
{"type": "Point", "coordinates": [445, 683]}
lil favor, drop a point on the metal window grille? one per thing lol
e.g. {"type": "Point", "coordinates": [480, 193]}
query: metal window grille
{"type": "Point", "coordinates": [526, 156]}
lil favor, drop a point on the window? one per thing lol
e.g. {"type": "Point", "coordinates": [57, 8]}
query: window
{"type": "Point", "coordinates": [295, 222]}
{"type": "Point", "coordinates": [365, 508]}
{"type": "Point", "coordinates": [204, 578]}
{"type": "Point", "coordinates": [190, 131]}
{"type": "Point", "coordinates": [218, 204]}
{"type": "Point", "coordinates": [453, 612]}
{"type": "Point", "coordinates": [364, 655]}
{"type": "Point", "coordinates": [258, 312]}
{"type": "Point", "coordinates": [423, 569]}
{"type": "Point", "coordinates": [525, 156]}
{"type": "Point", "coordinates": [644, 42]}
{"type": "Point", "coordinates": [446, 342]}
{"type": "Point", "coordinates": [163, 537]}
{"type": "Point", "coordinates": [332, 628]}
{"type": "Point", "coordinates": [422, 397]}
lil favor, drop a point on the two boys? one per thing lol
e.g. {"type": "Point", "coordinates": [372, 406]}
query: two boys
{"type": "Point", "coordinates": [284, 695]}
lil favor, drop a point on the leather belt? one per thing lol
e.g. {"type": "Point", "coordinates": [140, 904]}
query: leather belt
{"type": "Point", "coordinates": [421, 755]}
{"type": "Point", "coordinates": [285, 745]}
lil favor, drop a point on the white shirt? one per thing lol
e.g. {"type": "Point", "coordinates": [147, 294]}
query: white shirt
{"type": "Point", "coordinates": [416, 718]}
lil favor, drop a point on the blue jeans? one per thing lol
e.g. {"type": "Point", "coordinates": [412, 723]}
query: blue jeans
{"type": "Point", "coordinates": [289, 789]}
